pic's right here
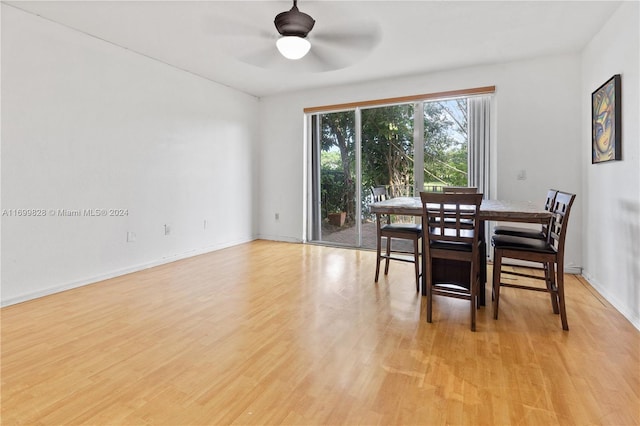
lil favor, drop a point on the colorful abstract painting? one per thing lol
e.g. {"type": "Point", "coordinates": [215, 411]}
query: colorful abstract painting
{"type": "Point", "coordinates": [606, 121]}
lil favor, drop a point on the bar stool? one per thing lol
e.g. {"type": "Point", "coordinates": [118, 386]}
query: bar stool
{"type": "Point", "coordinates": [452, 248]}
{"type": "Point", "coordinates": [549, 252]}
{"type": "Point", "coordinates": [390, 231]}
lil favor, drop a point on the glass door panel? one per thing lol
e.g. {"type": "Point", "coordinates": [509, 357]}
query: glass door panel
{"type": "Point", "coordinates": [387, 160]}
{"type": "Point", "coordinates": [445, 144]}
{"type": "Point", "coordinates": [334, 178]}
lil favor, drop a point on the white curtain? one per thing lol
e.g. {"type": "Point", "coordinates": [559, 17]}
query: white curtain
{"type": "Point", "coordinates": [479, 142]}
{"type": "Point", "coordinates": [479, 134]}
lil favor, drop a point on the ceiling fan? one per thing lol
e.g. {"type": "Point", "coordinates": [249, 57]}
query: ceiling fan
{"type": "Point", "coordinates": [294, 47]}
{"type": "Point", "coordinates": [293, 26]}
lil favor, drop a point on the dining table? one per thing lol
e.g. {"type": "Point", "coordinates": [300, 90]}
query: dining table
{"type": "Point", "coordinates": [490, 210]}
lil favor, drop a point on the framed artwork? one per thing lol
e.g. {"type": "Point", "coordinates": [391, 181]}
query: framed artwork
{"type": "Point", "coordinates": [606, 122]}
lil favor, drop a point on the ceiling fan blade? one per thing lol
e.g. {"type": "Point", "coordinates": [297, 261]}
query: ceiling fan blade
{"type": "Point", "coordinates": [326, 60]}
{"type": "Point", "coordinates": [228, 28]}
{"type": "Point", "coordinates": [363, 36]}
{"type": "Point", "coordinates": [268, 58]}
{"type": "Point", "coordinates": [271, 59]}
{"type": "Point", "coordinates": [238, 19]}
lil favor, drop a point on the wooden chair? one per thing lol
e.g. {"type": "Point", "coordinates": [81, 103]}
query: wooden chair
{"type": "Point", "coordinates": [391, 231]}
{"type": "Point", "coordinates": [459, 189]}
{"type": "Point", "coordinates": [452, 247]}
{"type": "Point", "coordinates": [549, 252]}
{"type": "Point", "coordinates": [519, 231]}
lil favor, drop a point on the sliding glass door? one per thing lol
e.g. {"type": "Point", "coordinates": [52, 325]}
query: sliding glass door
{"type": "Point", "coordinates": [407, 148]}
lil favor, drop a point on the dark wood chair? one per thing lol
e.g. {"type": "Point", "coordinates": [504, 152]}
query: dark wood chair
{"type": "Point", "coordinates": [519, 231]}
{"type": "Point", "coordinates": [390, 231]}
{"type": "Point", "coordinates": [459, 189]}
{"type": "Point", "coordinates": [452, 247]}
{"type": "Point", "coordinates": [549, 252]}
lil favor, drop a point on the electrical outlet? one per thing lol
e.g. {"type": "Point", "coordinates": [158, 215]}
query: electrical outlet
{"type": "Point", "coordinates": [167, 230]}
{"type": "Point", "coordinates": [131, 237]}
{"type": "Point", "coordinates": [277, 216]}
{"type": "Point", "coordinates": [522, 175]}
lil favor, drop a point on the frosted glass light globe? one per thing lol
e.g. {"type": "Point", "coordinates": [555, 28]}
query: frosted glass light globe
{"type": "Point", "coordinates": [293, 47]}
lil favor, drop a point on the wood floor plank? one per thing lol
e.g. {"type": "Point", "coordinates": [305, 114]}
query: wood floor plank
{"type": "Point", "coordinates": [279, 333]}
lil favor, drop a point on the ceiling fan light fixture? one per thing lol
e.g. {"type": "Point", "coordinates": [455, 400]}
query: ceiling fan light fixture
{"type": "Point", "coordinates": [293, 47]}
{"type": "Point", "coordinates": [293, 26]}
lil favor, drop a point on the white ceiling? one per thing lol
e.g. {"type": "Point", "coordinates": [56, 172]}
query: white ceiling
{"type": "Point", "coordinates": [224, 40]}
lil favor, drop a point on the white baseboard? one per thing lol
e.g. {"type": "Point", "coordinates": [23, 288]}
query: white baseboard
{"type": "Point", "coordinates": [634, 318]}
{"type": "Point", "coordinates": [278, 238]}
{"type": "Point", "coordinates": [124, 271]}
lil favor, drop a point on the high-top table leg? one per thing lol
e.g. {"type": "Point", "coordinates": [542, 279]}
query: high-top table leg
{"type": "Point", "coordinates": [483, 264]}
{"type": "Point", "coordinates": [423, 276]}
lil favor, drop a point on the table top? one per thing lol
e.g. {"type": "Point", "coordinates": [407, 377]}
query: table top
{"type": "Point", "coordinates": [497, 210]}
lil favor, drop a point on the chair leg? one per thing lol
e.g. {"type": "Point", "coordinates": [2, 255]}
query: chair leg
{"type": "Point", "coordinates": [473, 287]}
{"type": "Point", "coordinates": [378, 250]}
{"type": "Point", "coordinates": [497, 270]}
{"type": "Point", "coordinates": [416, 260]}
{"type": "Point", "coordinates": [386, 261]}
{"type": "Point", "coordinates": [429, 283]}
{"type": "Point", "coordinates": [560, 286]}
{"type": "Point", "coordinates": [550, 282]}
{"type": "Point", "coordinates": [480, 287]}
{"type": "Point", "coordinates": [423, 259]}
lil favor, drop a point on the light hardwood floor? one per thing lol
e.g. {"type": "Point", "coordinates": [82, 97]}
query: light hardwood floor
{"type": "Point", "coordinates": [273, 333]}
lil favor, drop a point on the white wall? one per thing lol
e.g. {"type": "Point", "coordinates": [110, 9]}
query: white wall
{"type": "Point", "coordinates": [88, 125]}
{"type": "Point", "coordinates": [538, 130]}
{"type": "Point", "coordinates": [611, 202]}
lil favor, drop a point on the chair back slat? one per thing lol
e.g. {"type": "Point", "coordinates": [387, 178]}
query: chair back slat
{"type": "Point", "coordinates": [551, 198]}
{"type": "Point", "coordinates": [560, 211]}
{"type": "Point", "coordinates": [379, 193]}
{"type": "Point", "coordinates": [451, 217]}
{"type": "Point", "coordinates": [459, 189]}
{"type": "Point", "coordinates": [548, 206]}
